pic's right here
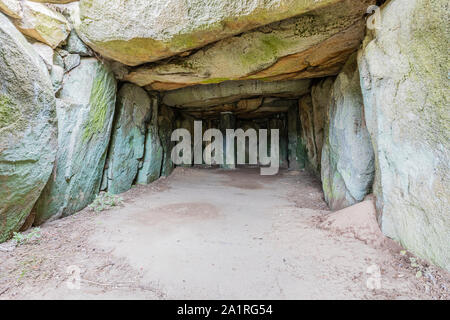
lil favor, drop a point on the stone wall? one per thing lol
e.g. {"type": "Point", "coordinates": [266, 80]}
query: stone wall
{"type": "Point", "coordinates": [404, 79]}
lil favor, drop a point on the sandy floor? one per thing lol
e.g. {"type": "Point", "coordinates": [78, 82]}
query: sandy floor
{"type": "Point", "coordinates": [207, 233]}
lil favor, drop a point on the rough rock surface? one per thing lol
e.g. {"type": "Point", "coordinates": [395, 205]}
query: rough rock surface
{"type": "Point", "coordinates": [45, 52]}
{"type": "Point", "coordinates": [85, 113]}
{"type": "Point", "coordinates": [153, 156]}
{"type": "Point", "coordinates": [245, 109]}
{"type": "Point", "coordinates": [57, 76]}
{"type": "Point", "coordinates": [165, 128]}
{"type": "Point", "coordinates": [312, 45]}
{"type": "Point", "coordinates": [12, 8]}
{"type": "Point", "coordinates": [43, 24]}
{"type": "Point", "coordinates": [233, 91]}
{"type": "Point", "coordinates": [54, 1]}
{"type": "Point", "coordinates": [347, 155]}
{"type": "Point", "coordinates": [75, 45]}
{"type": "Point", "coordinates": [138, 31]}
{"type": "Point", "coordinates": [27, 128]}
{"type": "Point", "coordinates": [320, 94]}
{"type": "Point", "coordinates": [296, 149]}
{"type": "Point", "coordinates": [308, 139]}
{"type": "Point", "coordinates": [127, 142]}
{"type": "Point", "coordinates": [405, 84]}
{"type": "Point", "coordinates": [71, 61]}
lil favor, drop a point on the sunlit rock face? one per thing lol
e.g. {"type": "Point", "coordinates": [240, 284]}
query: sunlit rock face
{"type": "Point", "coordinates": [314, 44]}
{"type": "Point", "coordinates": [404, 79]}
{"type": "Point", "coordinates": [43, 24]}
{"type": "Point", "coordinates": [12, 8]}
{"type": "Point", "coordinates": [27, 128]}
{"type": "Point", "coordinates": [138, 31]}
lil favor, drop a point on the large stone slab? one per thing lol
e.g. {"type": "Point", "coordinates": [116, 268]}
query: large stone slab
{"type": "Point", "coordinates": [233, 91]}
{"type": "Point", "coordinates": [27, 128]}
{"type": "Point", "coordinates": [54, 1]}
{"type": "Point", "coordinates": [404, 79]}
{"type": "Point", "coordinates": [139, 31]}
{"type": "Point", "coordinates": [43, 24]}
{"type": "Point", "coordinates": [128, 138]}
{"type": "Point", "coordinates": [347, 155]}
{"type": "Point", "coordinates": [85, 114]}
{"type": "Point", "coordinates": [315, 44]}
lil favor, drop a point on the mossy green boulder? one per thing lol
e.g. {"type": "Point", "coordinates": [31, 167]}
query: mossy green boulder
{"type": "Point", "coordinates": [27, 128]}
{"type": "Point", "coordinates": [85, 113]}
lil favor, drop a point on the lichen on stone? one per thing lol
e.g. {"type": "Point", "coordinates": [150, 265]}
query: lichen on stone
{"type": "Point", "coordinates": [99, 102]}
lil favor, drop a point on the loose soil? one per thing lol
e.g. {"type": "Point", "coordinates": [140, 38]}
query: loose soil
{"type": "Point", "coordinates": [215, 234]}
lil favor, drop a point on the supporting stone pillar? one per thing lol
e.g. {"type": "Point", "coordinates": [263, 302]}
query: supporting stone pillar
{"type": "Point", "coordinates": [296, 149]}
{"type": "Point", "coordinates": [151, 165]}
{"type": "Point", "coordinates": [165, 128]}
{"type": "Point", "coordinates": [227, 121]}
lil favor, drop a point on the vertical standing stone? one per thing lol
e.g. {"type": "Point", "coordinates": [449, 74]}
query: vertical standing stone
{"type": "Point", "coordinates": [165, 123]}
{"type": "Point", "coordinates": [321, 94]}
{"type": "Point", "coordinates": [296, 149]}
{"type": "Point", "coordinates": [85, 114]}
{"type": "Point", "coordinates": [308, 138]}
{"type": "Point", "coordinates": [227, 121]}
{"type": "Point", "coordinates": [27, 128]}
{"type": "Point", "coordinates": [404, 69]}
{"type": "Point", "coordinates": [153, 156]}
{"type": "Point", "coordinates": [128, 138]}
{"type": "Point", "coordinates": [347, 155]}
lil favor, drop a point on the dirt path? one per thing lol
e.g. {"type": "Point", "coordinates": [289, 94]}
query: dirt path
{"type": "Point", "coordinates": [207, 233]}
